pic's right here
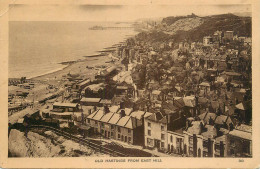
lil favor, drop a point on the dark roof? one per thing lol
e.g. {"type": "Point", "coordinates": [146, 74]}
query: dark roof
{"type": "Point", "coordinates": [169, 108]}
{"type": "Point", "coordinates": [215, 104]}
{"type": "Point", "coordinates": [221, 119]}
{"type": "Point", "coordinates": [158, 117]}
{"type": "Point", "coordinates": [244, 105]}
{"type": "Point", "coordinates": [209, 116]}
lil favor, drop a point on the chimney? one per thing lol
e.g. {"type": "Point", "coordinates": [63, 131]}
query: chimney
{"type": "Point", "coordinates": [194, 145]}
{"type": "Point", "coordinates": [196, 100]}
{"type": "Point", "coordinates": [201, 127]}
{"type": "Point", "coordinates": [106, 109]}
{"type": "Point", "coordinates": [221, 149]}
{"type": "Point", "coordinates": [122, 113]}
{"type": "Point", "coordinates": [121, 105]}
{"type": "Point", "coordinates": [210, 150]}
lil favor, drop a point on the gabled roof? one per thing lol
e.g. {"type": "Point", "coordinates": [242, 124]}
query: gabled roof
{"type": "Point", "coordinates": [178, 102]}
{"type": "Point", "coordinates": [202, 116]}
{"type": "Point", "coordinates": [243, 106]}
{"type": "Point", "coordinates": [158, 117]}
{"type": "Point", "coordinates": [130, 124]}
{"type": "Point", "coordinates": [114, 108]}
{"type": "Point", "coordinates": [114, 118]}
{"type": "Point", "coordinates": [245, 128]}
{"type": "Point", "coordinates": [210, 133]}
{"type": "Point", "coordinates": [95, 87]}
{"type": "Point", "coordinates": [168, 107]}
{"type": "Point", "coordinates": [92, 115]}
{"type": "Point", "coordinates": [137, 114]}
{"type": "Point", "coordinates": [221, 119]}
{"type": "Point", "coordinates": [209, 116]}
{"type": "Point", "coordinates": [195, 128]}
{"type": "Point", "coordinates": [122, 121]}
{"type": "Point", "coordinates": [106, 117]}
{"type": "Point", "coordinates": [189, 101]}
{"type": "Point", "coordinates": [241, 134]}
{"type": "Point", "coordinates": [147, 114]}
{"type": "Point", "coordinates": [98, 115]}
{"type": "Point", "coordinates": [128, 111]}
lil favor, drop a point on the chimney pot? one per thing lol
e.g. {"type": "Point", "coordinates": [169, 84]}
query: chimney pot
{"type": "Point", "coordinates": [122, 113]}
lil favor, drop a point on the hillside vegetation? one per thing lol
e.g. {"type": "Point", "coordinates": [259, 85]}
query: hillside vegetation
{"type": "Point", "coordinates": [194, 28]}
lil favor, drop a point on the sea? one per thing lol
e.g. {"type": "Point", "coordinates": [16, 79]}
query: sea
{"type": "Point", "coordinates": [38, 47]}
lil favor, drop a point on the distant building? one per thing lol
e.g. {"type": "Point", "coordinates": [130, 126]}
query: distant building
{"type": "Point", "coordinates": [239, 142]}
{"type": "Point", "coordinates": [155, 133]}
{"type": "Point", "coordinates": [217, 36]}
{"type": "Point", "coordinates": [207, 40]}
{"type": "Point", "coordinates": [175, 142]}
{"type": "Point", "coordinates": [229, 35]}
{"type": "Point", "coordinates": [63, 111]}
{"type": "Point", "coordinates": [193, 45]}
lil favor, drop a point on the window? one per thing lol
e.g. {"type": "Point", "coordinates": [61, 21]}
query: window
{"type": "Point", "coordinates": [102, 131]}
{"type": "Point", "coordinates": [162, 144]}
{"type": "Point", "coordinates": [129, 139]}
{"type": "Point", "coordinates": [112, 126]}
{"type": "Point", "coordinates": [171, 138]}
{"type": "Point", "coordinates": [129, 131]}
{"type": "Point", "coordinates": [112, 134]}
{"type": "Point", "coordinates": [119, 129]}
{"type": "Point", "coordinates": [162, 128]}
{"type": "Point", "coordinates": [119, 136]}
{"type": "Point", "coordinates": [162, 136]}
{"type": "Point", "coordinates": [149, 133]}
{"type": "Point", "coordinates": [149, 142]}
{"type": "Point", "coordinates": [102, 124]}
{"type": "Point", "coordinates": [149, 124]}
{"type": "Point", "coordinates": [88, 120]}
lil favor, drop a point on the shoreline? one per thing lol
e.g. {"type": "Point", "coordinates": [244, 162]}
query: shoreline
{"type": "Point", "coordinates": [98, 59]}
{"type": "Point", "coordinates": [68, 66]}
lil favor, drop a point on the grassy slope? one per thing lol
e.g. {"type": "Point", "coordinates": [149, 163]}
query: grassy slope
{"type": "Point", "coordinates": [240, 25]}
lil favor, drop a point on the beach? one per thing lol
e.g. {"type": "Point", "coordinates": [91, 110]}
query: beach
{"type": "Point", "coordinates": [84, 54]}
{"type": "Point", "coordinates": [38, 48]}
{"type": "Point", "coordinates": [78, 67]}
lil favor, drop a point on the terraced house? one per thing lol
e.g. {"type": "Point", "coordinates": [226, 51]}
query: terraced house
{"type": "Point", "coordinates": [123, 125]}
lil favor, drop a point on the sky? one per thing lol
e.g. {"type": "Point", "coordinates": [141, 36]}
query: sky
{"type": "Point", "coordinates": [36, 12]}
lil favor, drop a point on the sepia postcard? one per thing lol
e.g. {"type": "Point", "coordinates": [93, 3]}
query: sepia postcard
{"type": "Point", "coordinates": [129, 84]}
